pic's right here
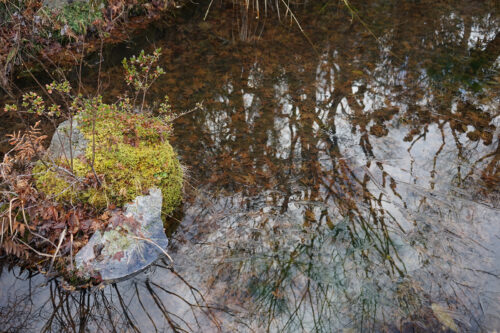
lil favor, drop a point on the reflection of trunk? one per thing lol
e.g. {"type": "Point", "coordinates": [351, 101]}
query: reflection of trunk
{"type": "Point", "coordinates": [244, 28]}
{"type": "Point", "coordinates": [491, 52]}
{"type": "Point", "coordinates": [119, 307]}
{"type": "Point", "coordinates": [467, 31]}
{"type": "Point", "coordinates": [491, 173]}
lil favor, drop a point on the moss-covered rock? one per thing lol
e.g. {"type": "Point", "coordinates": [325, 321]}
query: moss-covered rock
{"type": "Point", "coordinates": [132, 155]}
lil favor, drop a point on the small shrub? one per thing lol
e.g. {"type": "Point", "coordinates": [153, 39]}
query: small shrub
{"type": "Point", "coordinates": [141, 73]}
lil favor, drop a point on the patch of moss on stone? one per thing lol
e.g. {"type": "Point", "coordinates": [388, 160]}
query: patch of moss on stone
{"type": "Point", "coordinates": [56, 184]}
{"type": "Point", "coordinates": [132, 153]}
{"type": "Point", "coordinates": [117, 242]}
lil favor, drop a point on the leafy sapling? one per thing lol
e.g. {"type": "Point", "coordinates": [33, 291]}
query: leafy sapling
{"type": "Point", "coordinates": [141, 73]}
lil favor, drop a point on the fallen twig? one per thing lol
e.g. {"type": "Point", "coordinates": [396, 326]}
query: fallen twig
{"type": "Point", "coordinates": [37, 252]}
{"type": "Point", "coordinates": [158, 246]}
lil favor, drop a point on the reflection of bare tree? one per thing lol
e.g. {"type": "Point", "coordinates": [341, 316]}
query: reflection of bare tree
{"type": "Point", "coordinates": [333, 192]}
{"type": "Point", "coordinates": [338, 208]}
{"type": "Point", "coordinates": [136, 305]}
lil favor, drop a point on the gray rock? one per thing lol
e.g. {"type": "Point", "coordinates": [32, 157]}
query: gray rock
{"type": "Point", "coordinates": [60, 143]}
{"type": "Point", "coordinates": [127, 246]}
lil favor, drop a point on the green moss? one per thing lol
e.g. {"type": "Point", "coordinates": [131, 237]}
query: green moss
{"type": "Point", "coordinates": [117, 241]}
{"type": "Point", "coordinates": [79, 16]}
{"type": "Point", "coordinates": [59, 185]}
{"type": "Point", "coordinates": [131, 152]}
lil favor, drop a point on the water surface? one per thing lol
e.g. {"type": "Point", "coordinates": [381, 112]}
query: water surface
{"type": "Point", "coordinates": [349, 185]}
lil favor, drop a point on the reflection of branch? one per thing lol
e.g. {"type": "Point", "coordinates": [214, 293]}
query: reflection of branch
{"type": "Point", "coordinates": [115, 312]}
{"type": "Point", "coordinates": [142, 306]}
{"type": "Point", "coordinates": [418, 138]}
{"type": "Point", "coordinates": [160, 305]}
{"type": "Point", "coordinates": [296, 308]}
{"type": "Point", "coordinates": [473, 166]}
{"type": "Point", "coordinates": [192, 290]}
{"type": "Point", "coordinates": [434, 162]}
{"type": "Point", "coordinates": [108, 308]}
{"type": "Point", "coordinates": [125, 309]}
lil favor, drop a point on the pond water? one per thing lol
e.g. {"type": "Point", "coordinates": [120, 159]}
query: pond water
{"type": "Point", "coordinates": [349, 186]}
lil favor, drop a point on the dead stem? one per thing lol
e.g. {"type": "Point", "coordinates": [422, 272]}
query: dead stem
{"type": "Point", "coordinates": [198, 106]}
{"type": "Point", "coordinates": [31, 231]}
{"type": "Point", "coordinates": [1, 239]}
{"type": "Point", "coordinates": [37, 252]}
{"type": "Point", "coordinates": [61, 238]}
{"type": "Point", "coordinates": [158, 246]}
{"type": "Point", "coordinates": [71, 252]}
{"type": "Point", "coordinates": [10, 213]}
{"type": "Point", "coordinates": [292, 15]}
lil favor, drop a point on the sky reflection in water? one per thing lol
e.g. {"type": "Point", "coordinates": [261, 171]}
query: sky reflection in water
{"type": "Point", "coordinates": [351, 188]}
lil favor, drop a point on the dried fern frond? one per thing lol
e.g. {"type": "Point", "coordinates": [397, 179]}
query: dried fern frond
{"type": "Point", "coordinates": [28, 144]}
{"type": "Point", "coordinates": [11, 247]}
